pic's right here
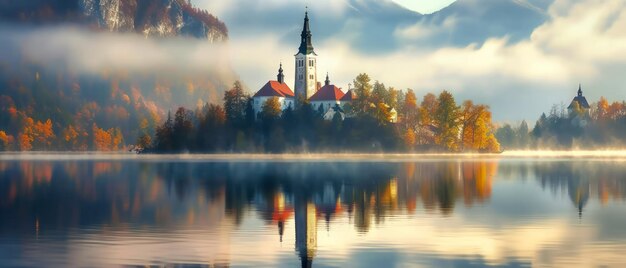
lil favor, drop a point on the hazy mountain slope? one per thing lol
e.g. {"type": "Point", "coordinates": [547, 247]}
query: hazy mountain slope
{"type": "Point", "coordinates": [161, 18]}
{"type": "Point", "coordinates": [473, 21]}
{"type": "Point", "coordinates": [86, 66]}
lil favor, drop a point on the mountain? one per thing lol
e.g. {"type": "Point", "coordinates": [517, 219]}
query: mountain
{"type": "Point", "coordinates": [474, 21]}
{"type": "Point", "coordinates": [79, 74]}
{"type": "Point", "coordinates": [152, 18]}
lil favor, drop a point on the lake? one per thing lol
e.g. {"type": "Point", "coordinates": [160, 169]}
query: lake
{"type": "Point", "coordinates": [321, 211]}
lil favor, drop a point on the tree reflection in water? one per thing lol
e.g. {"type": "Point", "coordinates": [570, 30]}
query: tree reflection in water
{"type": "Point", "coordinates": [62, 196]}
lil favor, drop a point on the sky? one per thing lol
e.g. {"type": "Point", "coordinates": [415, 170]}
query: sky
{"type": "Point", "coordinates": [424, 6]}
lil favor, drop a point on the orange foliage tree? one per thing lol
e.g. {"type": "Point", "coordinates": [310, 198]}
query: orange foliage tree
{"type": "Point", "coordinates": [36, 135]}
{"type": "Point", "coordinates": [6, 141]}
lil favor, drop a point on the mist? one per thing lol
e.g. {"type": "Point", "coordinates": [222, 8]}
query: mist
{"type": "Point", "coordinates": [83, 51]}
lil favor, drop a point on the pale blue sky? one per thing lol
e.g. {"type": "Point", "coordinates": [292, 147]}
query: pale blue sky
{"type": "Point", "coordinates": [425, 6]}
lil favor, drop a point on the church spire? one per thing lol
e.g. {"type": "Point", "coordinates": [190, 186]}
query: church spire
{"type": "Point", "coordinates": [281, 76]}
{"type": "Point", "coordinates": [580, 90]}
{"type": "Point", "coordinates": [306, 44]}
{"type": "Point", "coordinates": [327, 82]}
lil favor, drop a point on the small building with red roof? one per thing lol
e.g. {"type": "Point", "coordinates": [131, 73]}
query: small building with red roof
{"type": "Point", "coordinates": [327, 97]}
{"type": "Point", "coordinates": [274, 89]}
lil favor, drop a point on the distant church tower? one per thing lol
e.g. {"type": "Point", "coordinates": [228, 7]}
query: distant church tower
{"type": "Point", "coordinates": [306, 64]}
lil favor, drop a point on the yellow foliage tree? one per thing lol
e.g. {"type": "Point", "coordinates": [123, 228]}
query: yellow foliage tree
{"type": "Point", "coordinates": [409, 138]}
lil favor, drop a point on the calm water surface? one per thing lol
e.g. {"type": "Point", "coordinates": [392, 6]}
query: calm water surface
{"type": "Point", "coordinates": [441, 212]}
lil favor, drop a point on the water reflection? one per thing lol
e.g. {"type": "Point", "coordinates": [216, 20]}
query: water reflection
{"type": "Point", "coordinates": [221, 213]}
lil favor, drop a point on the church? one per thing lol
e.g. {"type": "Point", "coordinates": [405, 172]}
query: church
{"type": "Point", "coordinates": [579, 100]}
{"type": "Point", "coordinates": [328, 98]}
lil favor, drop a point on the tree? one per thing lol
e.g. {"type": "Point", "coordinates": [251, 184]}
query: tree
{"type": "Point", "coordinates": [144, 141]}
{"type": "Point", "coordinates": [271, 109]}
{"type": "Point", "coordinates": [428, 108]}
{"type": "Point", "coordinates": [117, 138]}
{"type": "Point", "coordinates": [6, 141]}
{"type": "Point", "coordinates": [164, 139]}
{"type": "Point", "coordinates": [36, 135]}
{"type": "Point", "coordinates": [183, 128]}
{"type": "Point", "coordinates": [506, 136]}
{"type": "Point", "coordinates": [235, 104]}
{"type": "Point", "coordinates": [603, 108]}
{"type": "Point", "coordinates": [362, 89]}
{"type": "Point", "coordinates": [475, 126]}
{"type": "Point", "coordinates": [379, 93]}
{"type": "Point", "coordinates": [523, 135]}
{"type": "Point", "coordinates": [70, 136]}
{"type": "Point", "coordinates": [409, 138]}
{"type": "Point", "coordinates": [393, 97]}
{"type": "Point", "coordinates": [410, 113]}
{"type": "Point", "coordinates": [102, 139]}
{"type": "Point", "coordinates": [210, 134]}
{"type": "Point", "coordinates": [446, 120]}
{"type": "Point", "coordinates": [382, 114]}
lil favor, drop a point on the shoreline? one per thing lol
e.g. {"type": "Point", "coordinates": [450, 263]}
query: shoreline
{"type": "Point", "coordinates": [312, 157]}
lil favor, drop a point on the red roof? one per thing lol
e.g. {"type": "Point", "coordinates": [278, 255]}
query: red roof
{"type": "Point", "coordinates": [327, 93]}
{"type": "Point", "coordinates": [275, 89]}
{"type": "Point", "coordinates": [350, 96]}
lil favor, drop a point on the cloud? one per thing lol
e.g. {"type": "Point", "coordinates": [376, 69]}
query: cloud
{"type": "Point", "coordinates": [422, 30]}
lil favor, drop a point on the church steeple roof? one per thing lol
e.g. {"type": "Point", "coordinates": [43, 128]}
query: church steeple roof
{"type": "Point", "coordinates": [580, 90]}
{"type": "Point", "coordinates": [580, 99]}
{"type": "Point", "coordinates": [306, 44]}
{"type": "Point", "coordinates": [281, 76]}
{"type": "Point", "coordinates": [327, 82]}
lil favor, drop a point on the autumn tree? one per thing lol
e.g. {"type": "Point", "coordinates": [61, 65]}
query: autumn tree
{"type": "Point", "coordinates": [409, 138]}
{"type": "Point", "coordinates": [602, 110]}
{"type": "Point", "coordinates": [363, 91]}
{"type": "Point", "coordinates": [36, 135]}
{"type": "Point", "coordinates": [446, 119]}
{"type": "Point", "coordinates": [70, 137]}
{"type": "Point", "coordinates": [271, 109]}
{"type": "Point", "coordinates": [426, 112]}
{"type": "Point", "coordinates": [102, 139]}
{"type": "Point", "coordinates": [410, 115]}
{"type": "Point", "coordinates": [6, 141]}
{"type": "Point", "coordinates": [382, 113]}
{"type": "Point", "coordinates": [144, 141]}
{"type": "Point", "coordinates": [409, 108]}
{"type": "Point", "coordinates": [473, 127]}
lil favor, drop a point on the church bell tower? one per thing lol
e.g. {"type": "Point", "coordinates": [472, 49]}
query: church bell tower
{"type": "Point", "coordinates": [306, 64]}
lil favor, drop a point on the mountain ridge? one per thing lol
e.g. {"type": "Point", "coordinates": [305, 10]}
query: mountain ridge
{"type": "Point", "coordinates": [151, 18]}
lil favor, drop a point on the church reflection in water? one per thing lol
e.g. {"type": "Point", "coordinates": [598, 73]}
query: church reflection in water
{"type": "Point", "coordinates": [65, 196]}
